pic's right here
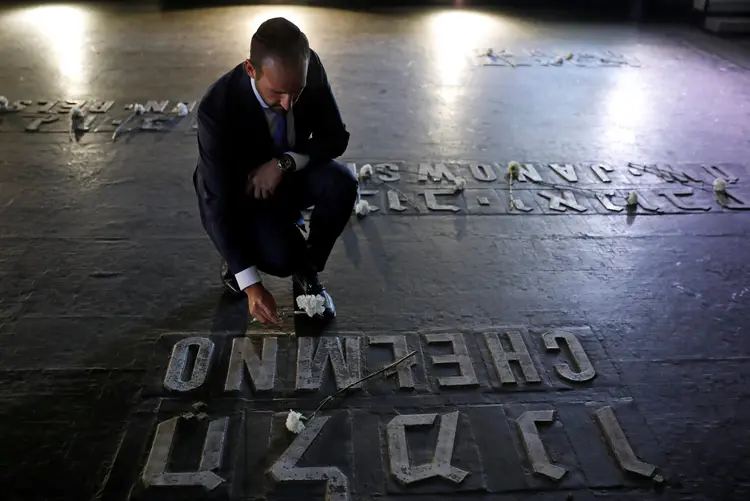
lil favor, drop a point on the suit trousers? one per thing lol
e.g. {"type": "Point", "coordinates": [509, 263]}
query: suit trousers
{"type": "Point", "coordinates": [280, 248]}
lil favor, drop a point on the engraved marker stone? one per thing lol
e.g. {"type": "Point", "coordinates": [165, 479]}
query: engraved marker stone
{"type": "Point", "coordinates": [46, 107]}
{"type": "Point", "coordinates": [720, 171]}
{"type": "Point", "coordinates": [155, 472]}
{"type": "Point", "coordinates": [400, 350]}
{"type": "Point", "coordinates": [502, 358]}
{"type": "Point", "coordinates": [601, 172]}
{"type": "Point", "coordinates": [645, 204]}
{"type": "Point", "coordinates": [262, 370]}
{"type": "Point", "coordinates": [528, 171]}
{"type": "Point", "coordinates": [605, 198]}
{"type": "Point", "coordinates": [68, 105]}
{"type": "Point", "coordinates": [519, 205]}
{"type": "Point", "coordinates": [286, 470]}
{"type": "Point", "coordinates": [175, 379]}
{"type": "Point", "coordinates": [566, 171]}
{"type": "Point", "coordinates": [436, 172]}
{"type": "Point", "coordinates": [557, 202]}
{"type": "Point", "coordinates": [387, 172]}
{"type": "Point", "coordinates": [731, 201]}
{"type": "Point", "coordinates": [620, 445]}
{"type": "Point", "coordinates": [585, 370]}
{"type": "Point", "coordinates": [677, 196]}
{"type": "Point", "coordinates": [394, 201]}
{"type": "Point", "coordinates": [483, 172]}
{"type": "Point", "coordinates": [459, 357]}
{"type": "Point", "coordinates": [370, 193]}
{"type": "Point", "coordinates": [398, 449]}
{"type": "Point", "coordinates": [540, 462]}
{"type": "Point", "coordinates": [311, 363]}
{"type": "Point", "coordinates": [155, 106]}
{"type": "Point", "coordinates": [432, 203]}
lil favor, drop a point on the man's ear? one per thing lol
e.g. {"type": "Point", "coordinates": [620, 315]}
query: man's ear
{"type": "Point", "coordinates": [250, 69]}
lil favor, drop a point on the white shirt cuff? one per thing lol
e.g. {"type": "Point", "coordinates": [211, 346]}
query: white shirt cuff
{"type": "Point", "coordinates": [299, 160]}
{"type": "Point", "coordinates": [248, 277]}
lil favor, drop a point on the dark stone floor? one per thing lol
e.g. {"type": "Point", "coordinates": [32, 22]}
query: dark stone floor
{"type": "Point", "coordinates": [104, 268]}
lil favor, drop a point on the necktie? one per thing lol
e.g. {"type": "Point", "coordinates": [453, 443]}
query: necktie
{"type": "Point", "coordinates": [279, 132]}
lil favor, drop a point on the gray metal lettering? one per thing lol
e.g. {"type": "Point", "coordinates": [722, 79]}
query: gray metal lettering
{"type": "Point", "coordinates": [605, 198]}
{"type": "Point", "coordinates": [175, 379]}
{"type": "Point", "coordinates": [620, 445]}
{"type": "Point", "coordinates": [394, 201]}
{"type": "Point", "coordinates": [676, 197]}
{"type": "Point", "coordinates": [731, 201]}
{"type": "Point", "coordinates": [519, 205]}
{"type": "Point", "coordinates": [46, 106]}
{"type": "Point", "coordinates": [68, 105]}
{"type": "Point", "coordinates": [286, 470]}
{"type": "Point", "coordinates": [532, 442]}
{"type": "Point", "coordinates": [645, 204]}
{"type": "Point", "coordinates": [483, 172]}
{"type": "Point", "coordinates": [581, 360]}
{"type": "Point", "coordinates": [440, 466]}
{"type": "Point", "coordinates": [719, 171]}
{"type": "Point", "coordinates": [387, 172]}
{"type": "Point", "coordinates": [155, 106]}
{"type": "Point", "coordinates": [567, 172]}
{"type": "Point", "coordinates": [556, 202]}
{"type": "Point", "coordinates": [435, 172]}
{"type": "Point", "coordinates": [100, 106]}
{"type": "Point", "coordinates": [432, 204]}
{"type": "Point", "coordinates": [155, 472]}
{"type": "Point", "coordinates": [483, 200]}
{"type": "Point", "coordinates": [460, 357]}
{"type": "Point", "coordinates": [262, 370]}
{"type": "Point", "coordinates": [501, 358]}
{"type": "Point", "coordinates": [311, 363]}
{"type": "Point", "coordinates": [34, 125]}
{"type": "Point", "coordinates": [529, 171]}
{"type": "Point", "coordinates": [601, 172]}
{"type": "Point", "coordinates": [400, 350]}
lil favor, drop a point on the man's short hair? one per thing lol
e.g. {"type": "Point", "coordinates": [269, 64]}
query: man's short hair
{"type": "Point", "coordinates": [279, 39]}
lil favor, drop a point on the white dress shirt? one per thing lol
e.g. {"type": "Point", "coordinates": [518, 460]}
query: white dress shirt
{"type": "Point", "coordinates": [251, 276]}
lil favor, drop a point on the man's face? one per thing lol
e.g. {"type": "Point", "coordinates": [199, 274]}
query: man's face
{"type": "Point", "coordinates": [278, 84]}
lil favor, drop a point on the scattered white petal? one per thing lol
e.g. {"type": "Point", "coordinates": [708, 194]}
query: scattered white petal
{"type": "Point", "coordinates": [362, 208]}
{"type": "Point", "coordinates": [182, 109]}
{"type": "Point", "coordinates": [514, 169]}
{"type": "Point", "coordinates": [569, 56]}
{"type": "Point", "coordinates": [4, 102]}
{"type": "Point", "coordinates": [365, 172]}
{"type": "Point", "coordinates": [311, 304]}
{"type": "Point", "coordinates": [720, 185]}
{"type": "Point", "coordinates": [632, 198]}
{"type": "Point", "coordinates": [460, 183]}
{"type": "Point", "coordinates": [139, 109]}
{"type": "Point", "coordinates": [294, 422]}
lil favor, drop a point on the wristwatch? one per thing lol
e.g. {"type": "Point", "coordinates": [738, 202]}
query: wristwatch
{"type": "Point", "coordinates": [286, 163]}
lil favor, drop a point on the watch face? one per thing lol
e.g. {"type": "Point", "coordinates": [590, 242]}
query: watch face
{"type": "Point", "coordinates": [286, 163]}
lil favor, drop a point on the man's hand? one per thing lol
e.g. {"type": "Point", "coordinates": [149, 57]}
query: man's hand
{"type": "Point", "coordinates": [263, 182]}
{"type": "Point", "coordinates": [262, 305]}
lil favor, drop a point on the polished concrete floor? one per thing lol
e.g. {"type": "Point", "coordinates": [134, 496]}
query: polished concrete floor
{"type": "Point", "coordinates": [106, 275]}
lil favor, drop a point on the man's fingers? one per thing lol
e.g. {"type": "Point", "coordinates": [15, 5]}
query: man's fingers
{"type": "Point", "coordinates": [270, 313]}
{"type": "Point", "coordinates": [258, 192]}
{"type": "Point", "coordinates": [261, 316]}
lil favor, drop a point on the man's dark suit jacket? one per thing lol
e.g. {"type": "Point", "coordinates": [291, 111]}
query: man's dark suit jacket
{"type": "Point", "coordinates": [234, 139]}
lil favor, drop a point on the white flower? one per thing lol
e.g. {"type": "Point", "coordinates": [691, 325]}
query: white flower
{"type": "Point", "coordinates": [460, 183]}
{"type": "Point", "coordinates": [362, 208]}
{"type": "Point", "coordinates": [720, 185]}
{"type": "Point", "coordinates": [182, 109]}
{"type": "Point", "coordinates": [76, 113]}
{"type": "Point", "coordinates": [514, 168]}
{"type": "Point", "coordinates": [632, 198]}
{"type": "Point", "coordinates": [365, 172]}
{"type": "Point", "coordinates": [294, 422]}
{"type": "Point", "coordinates": [311, 304]}
{"type": "Point", "coordinates": [3, 102]}
{"type": "Point", "coordinates": [139, 109]}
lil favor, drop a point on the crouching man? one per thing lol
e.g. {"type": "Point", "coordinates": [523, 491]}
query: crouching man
{"type": "Point", "coordinates": [268, 133]}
